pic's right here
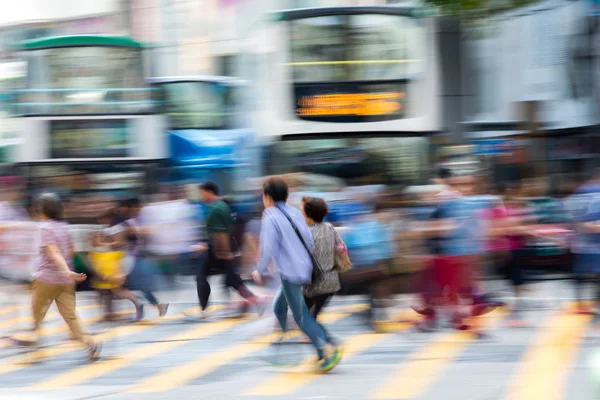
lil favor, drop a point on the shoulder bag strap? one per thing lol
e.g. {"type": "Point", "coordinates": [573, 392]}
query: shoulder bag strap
{"type": "Point", "coordinates": [310, 253]}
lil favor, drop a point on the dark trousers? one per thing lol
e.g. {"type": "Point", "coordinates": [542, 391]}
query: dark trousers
{"type": "Point", "coordinates": [316, 304]}
{"type": "Point", "coordinates": [215, 266]}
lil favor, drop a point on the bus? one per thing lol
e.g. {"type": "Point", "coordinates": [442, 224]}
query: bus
{"type": "Point", "coordinates": [88, 123]}
{"type": "Point", "coordinates": [208, 131]}
{"type": "Point", "coordinates": [350, 92]}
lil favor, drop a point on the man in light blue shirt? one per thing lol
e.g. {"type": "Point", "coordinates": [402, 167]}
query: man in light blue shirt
{"type": "Point", "coordinates": [286, 240]}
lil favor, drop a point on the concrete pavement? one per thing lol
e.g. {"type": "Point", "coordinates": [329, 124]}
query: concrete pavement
{"type": "Point", "coordinates": [228, 358]}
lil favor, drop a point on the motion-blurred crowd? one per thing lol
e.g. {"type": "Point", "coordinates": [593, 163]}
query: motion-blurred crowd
{"type": "Point", "coordinates": [442, 240]}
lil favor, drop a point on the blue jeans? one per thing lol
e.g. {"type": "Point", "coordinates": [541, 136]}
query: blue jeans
{"type": "Point", "coordinates": [291, 295]}
{"type": "Point", "coordinates": [143, 277]}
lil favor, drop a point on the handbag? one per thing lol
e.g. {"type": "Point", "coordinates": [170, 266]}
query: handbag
{"type": "Point", "coordinates": [317, 270]}
{"type": "Point", "coordinates": [342, 260]}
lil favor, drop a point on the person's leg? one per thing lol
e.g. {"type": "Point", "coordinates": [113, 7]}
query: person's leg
{"type": "Point", "coordinates": [65, 301]}
{"type": "Point", "coordinates": [320, 302]}
{"type": "Point", "coordinates": [125, 294]}
{"type": "Point", "coordinates": [150, 272]}
{"type": "Point", "coordinates": [41, 299]}
{"type": "Point", "coordinates": [234, 281]}
{"type": "Point", "coordinates": [310, 303]}
{"type": "Point", "coordinates": [202, 285]}
{"type": "Point", "coordinates": [306, 323]}
{"type": "Point", "coordinates": [280, 309]}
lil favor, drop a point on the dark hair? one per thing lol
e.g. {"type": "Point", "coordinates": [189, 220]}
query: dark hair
{"type": "Point", "coordinates": [444, 173]}
{"type": "Point", "coordinates": [276, 188]}
{"type": "Point", "coordinates": [50, 206]}
{"type": "Point", "coordinates": [132, 202]}
{"type": "Point", "coordinates": [210, 186]}
{"type": "Point", "coordinates": [315, 208]}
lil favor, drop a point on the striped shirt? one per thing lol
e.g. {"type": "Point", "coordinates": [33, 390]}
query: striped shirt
{"type": "Point", "coordinates": [54, 233]}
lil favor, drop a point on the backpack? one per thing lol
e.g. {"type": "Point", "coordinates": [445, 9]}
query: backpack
{"type": "Point", "coordinates": [240, 220]}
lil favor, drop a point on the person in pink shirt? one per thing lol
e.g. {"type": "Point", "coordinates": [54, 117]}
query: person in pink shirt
{"type": "Point", "coordinates": [55, 280]}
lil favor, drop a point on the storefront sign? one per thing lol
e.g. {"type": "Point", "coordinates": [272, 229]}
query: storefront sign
{"type": "Point", "coordinates": [494, 146]}
{"type": "Point", "coordinates": [89, 139]}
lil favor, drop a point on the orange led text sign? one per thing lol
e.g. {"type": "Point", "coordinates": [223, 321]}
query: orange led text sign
{"type": "Point", "coordinates": [350, 104]}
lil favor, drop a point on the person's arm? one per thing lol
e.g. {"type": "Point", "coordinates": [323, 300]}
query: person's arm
{"type": "Point", "coordinates": [57, 258]}
{"type": "Point", "coordinates": [269, 241]}
{"type": "Point", "coordinates": [53, 252]}
{"type": "Point", "coordinates": [99, 240]}
{"type": "Point", "coordinates": [117, 240]}
{"type": "Point", "coordinates": [222, 246]}
{"type": "Point", "coordinates": [592, 227]}
{"type": "Point", "coordinates": [219, 221]}
{"type": "Point", "coordinates": [250, 240]}
{"type": "Point", "coordinates": [436, 227]}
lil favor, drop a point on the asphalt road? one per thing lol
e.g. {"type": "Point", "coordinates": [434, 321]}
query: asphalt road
{"type": "Point", "coordinates": [175, 357]}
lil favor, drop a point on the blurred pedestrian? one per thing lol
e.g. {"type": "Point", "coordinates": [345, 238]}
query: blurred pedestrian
{"type": "Point", "coordinates": [221, 249]}
{"type": "Point", "coordinates": [454, 232]}
{"type": "Point", "coordinates": [327, 282]}
{"type": "Point", "coordinates": [138, 230]}
{"type": "Point", "coordinates": [286, 240]}
{"type": "Point", "coordinates": [111, 264]}
{"type": "Point", "coordinates": [511, 221]}
{"type": "Point", "coordinates": [55, 281]}
{"type": "Point", "coordinates": [586, 247]}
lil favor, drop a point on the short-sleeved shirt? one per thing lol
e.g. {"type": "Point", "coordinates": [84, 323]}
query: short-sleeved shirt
{"type": "Point", "coordinates": [56, 233]}
{"type": "Point", "coordinates": [464, 238]}
{"type": "Point", "coordinates": [585, 242]}
{"type": "Point", "coordinates": [219, 219]}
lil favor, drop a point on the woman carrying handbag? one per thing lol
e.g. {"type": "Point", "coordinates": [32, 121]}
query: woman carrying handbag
{"type": "Point", "coordinates": [330, 251]}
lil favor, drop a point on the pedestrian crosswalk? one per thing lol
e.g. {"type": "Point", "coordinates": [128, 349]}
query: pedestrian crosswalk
{"type": "Point", "coordinates": [162, 356]}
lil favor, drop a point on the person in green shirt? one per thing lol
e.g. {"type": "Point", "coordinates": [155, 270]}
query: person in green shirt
{"type": "Point", "coordinates": [221, 249]}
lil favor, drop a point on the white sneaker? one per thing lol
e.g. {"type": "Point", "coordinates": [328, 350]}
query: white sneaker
{"type": "Point", "coordinates": [202, 315]}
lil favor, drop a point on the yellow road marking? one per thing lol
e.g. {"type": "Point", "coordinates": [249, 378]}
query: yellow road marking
{"type": "Point", "coordinates": [286, 383]}
{"type": "Point", "coordinates": [65, 328]}
{"type": "Point", "coordinates": [414, 377]}
{"type": "Point", "coordinates": [51, 315]}
{"type": "Point", "coordinates": [13, 308]}
{"type": "Point", "coordinates": [205, 364]}
{"type": "Point", "coordinates": [37, 355]}
{"type": "Point", "coordinates": [85, 373]}
{"type": "Point", "coordinates": [544, 369]}
{"type": "Point", "coordinates": [18, 363]}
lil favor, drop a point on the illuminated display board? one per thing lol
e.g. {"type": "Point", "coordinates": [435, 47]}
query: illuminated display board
{"type": "Point", "coordinates": [350, 101]}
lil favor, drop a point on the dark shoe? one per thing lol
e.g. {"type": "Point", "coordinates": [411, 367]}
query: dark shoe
{"type": "Point", "coordinates": [458, 323]}
{"type": "Point", "coordinates": [424, 310]}
{"type": "Point", "coordinates": [484, 304]}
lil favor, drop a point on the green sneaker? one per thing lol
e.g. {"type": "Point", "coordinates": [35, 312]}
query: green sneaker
{"type": "Point", "coordinates": [330, 362]}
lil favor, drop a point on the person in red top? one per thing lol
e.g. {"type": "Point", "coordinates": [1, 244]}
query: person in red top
{"type": "Point", "coordinates": [510, 228]}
